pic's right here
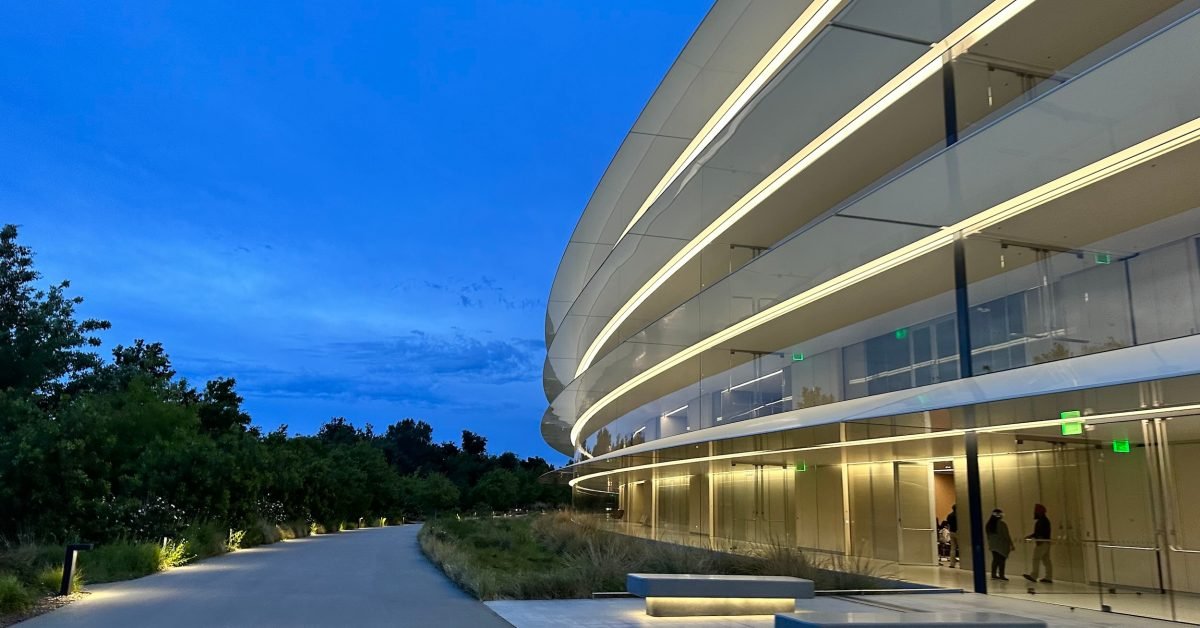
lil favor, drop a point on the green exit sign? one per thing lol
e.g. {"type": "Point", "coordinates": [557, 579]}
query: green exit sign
{"type": "Point", "coordinates": [1072, 428]}
{"type": "Point", "coordinates": [901, 334]}
{"type": "Point", "coordinates": [797, 357]}
{"type": "Point", "coordinates": [1070, 414]}
{"type": "Point", "coordinates": [1121, 446]}
{"type": "Point", "coordinates": [801, 466]}
{"type": "Point", "coordinates": [1103, 258]}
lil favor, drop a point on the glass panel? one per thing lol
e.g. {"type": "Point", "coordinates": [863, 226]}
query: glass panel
{"type": "Point", "coordinates": [1127, 99]}
{"type": "Point", "coordinates": [1127, 554]}
{"type": "Point", "coordinates": [914, 503]}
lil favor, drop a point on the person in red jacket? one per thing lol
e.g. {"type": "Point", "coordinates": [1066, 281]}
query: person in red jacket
{"type": "Point", "coordinates": [1041, 548]}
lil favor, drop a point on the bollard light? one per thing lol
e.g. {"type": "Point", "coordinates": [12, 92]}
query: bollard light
{"type": "Point", "coordinates": [69, 565]}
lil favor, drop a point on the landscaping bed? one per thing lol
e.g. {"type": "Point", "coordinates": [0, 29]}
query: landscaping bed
{"type": "Point", "coordinates": [557, 556]}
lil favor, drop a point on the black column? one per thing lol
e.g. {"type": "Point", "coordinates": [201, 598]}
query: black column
{"type": "Point", "coordinates": [949, 107]}
{"type": "Point", "coordinates": [971, 440]}
{"type": "Point", "coordinates": [965, 368]}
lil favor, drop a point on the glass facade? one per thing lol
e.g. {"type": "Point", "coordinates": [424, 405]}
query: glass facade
{"type": "Point", "coordinates": [1029, 305]}
{"type": "Point", "coordinates": [1107, 101]}
{"type": "Point", "coordinates": [998, 268]}
{"type": "Point", "coordinates": [1116, 494]}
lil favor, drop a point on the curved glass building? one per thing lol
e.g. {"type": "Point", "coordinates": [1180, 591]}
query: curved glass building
{"type": "Point", "coordinates": [860, 263]}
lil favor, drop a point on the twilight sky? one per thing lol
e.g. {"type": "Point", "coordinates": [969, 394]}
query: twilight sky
{"type": "Point", "coordinates": [355, 209]}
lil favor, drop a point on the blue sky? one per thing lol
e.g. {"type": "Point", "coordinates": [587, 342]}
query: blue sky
{"type": "Point", "coordinates": [353, 208]}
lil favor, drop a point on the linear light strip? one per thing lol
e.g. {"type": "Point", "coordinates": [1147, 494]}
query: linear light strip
{"type": "Point", "coordinates": [1113, 164]}
{"type": "Point", "coordinates": [908, 79]}
{"type": "Point", "coordinates": [756, 380]}
{"type": "Point", "coordinates": [1095, 419]}
{"type": "Point", "coordinates": [683, 407]}
{"type": "Point", "coordinates": [799, 34]}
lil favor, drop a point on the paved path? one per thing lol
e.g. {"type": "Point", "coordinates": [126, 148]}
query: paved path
{"type": "Point", "coordinates": [371, 577]}
{"type": "Point", "coordinates": [630, 613]}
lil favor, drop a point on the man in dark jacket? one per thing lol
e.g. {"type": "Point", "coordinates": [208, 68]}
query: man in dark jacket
{"type": "Point", "coordinates": [1041, 548]}
{"type": "Point", "coordinates": [952, 526]}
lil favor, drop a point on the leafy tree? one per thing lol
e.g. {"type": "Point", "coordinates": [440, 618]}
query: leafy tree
{"type": "Point", "coordinates": [473, 444]}
{"type": "Point", "coordinates": [338, 431]}
{"type": "Point", "coordinates": [435, 493]}
{"type": "Point", "coordinates": [498, 489]}
{"type": "Point", "coordinates": [408, 446]}
{"type": "Point", "coordinates": [41, 342]}
{"type": "Point", "coordinates": [220, 407]}
{"type": "Point", "coordinates": [129, 450]}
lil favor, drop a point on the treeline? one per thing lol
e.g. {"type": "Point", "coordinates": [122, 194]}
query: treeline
{"type": "Point", "coordinates": [102, 450]}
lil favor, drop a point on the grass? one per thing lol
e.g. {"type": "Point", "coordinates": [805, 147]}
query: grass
{"type": "Point", "coordinates": [554, 557]}
{"type": "Point", "coordinates": [120, 561]}
{"type": "Point", "coordinates": [14, 596]}
{"type": "Point", "coordinates": [50, 580]}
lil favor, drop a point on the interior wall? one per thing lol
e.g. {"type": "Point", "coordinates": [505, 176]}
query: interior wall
{"type": "Point", "coordinates": [943, 494]}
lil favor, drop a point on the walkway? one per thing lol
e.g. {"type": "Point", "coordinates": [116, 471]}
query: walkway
{"type": "Point", "coordinates": [371, 577]}
{"type": "Point", "coordinates": [630, 613]}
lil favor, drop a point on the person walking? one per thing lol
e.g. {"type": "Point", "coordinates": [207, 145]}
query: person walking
{"type": "Point", "coordinates": [1000, 542]}
{"type": "Point", "coordinates": [952, 526]}
{"type": "Point", "coordinates": [1041, 548]}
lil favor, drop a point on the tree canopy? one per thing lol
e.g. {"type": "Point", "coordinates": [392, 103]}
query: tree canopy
{"type": "Point", "coordinates": [101, 449]}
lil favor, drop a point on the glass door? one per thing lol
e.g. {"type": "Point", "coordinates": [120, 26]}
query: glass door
{"type": "Point", "coordinates": [915, 513]}
{"type": "Point", "coordinates": [1149, 558]}
{"type": "Point", "coordinates": [755, 505]}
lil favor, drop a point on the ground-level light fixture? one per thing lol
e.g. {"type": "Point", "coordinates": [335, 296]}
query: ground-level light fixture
{"type": "Point", "coordinates": [69, 565]}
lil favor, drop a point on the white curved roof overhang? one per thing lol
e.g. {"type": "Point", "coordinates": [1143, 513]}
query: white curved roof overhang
{"type": "Point", "coordinates": [725, 47]}
{"type": "Point", "coordinates": [906, 275]}
{"type": "Point", "coordinates": [1060, 112]}
{"type": "Point", "coordinates": [1160, 360]}
{"type": "Point", "coordinates": [565, 407]}
{"type": "Point", "coordinates": [833, 165]}
{"type": "Point", "coordinates": [657, 241]}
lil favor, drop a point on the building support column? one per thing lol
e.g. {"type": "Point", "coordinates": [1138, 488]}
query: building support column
{"type": "Point", "coordinates": [965, 367]}
{"type": "Point", "coordinates": [971, 439]}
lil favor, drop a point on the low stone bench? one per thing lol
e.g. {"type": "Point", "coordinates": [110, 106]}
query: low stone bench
{"type": "Point", "coordinates": [686, 595]}
{"type": "Point", "coordinates": [946, 619]}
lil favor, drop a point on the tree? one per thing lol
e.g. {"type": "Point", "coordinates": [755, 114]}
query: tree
{"type": "Point", "coordinates": [473, 444]}
{"type": "Point", "coordinates": [338, 431]}
{"type": "Point", "coordinates": [408, 446]}
{"type": "Point", "coordinates": [434, 494]}
{"type": "Point", "coordinates": [498, 489]}
{"type": "Point", "coordinates": [41, 342]}
{"type": "Point", "coordinates": [220, 407]}
{"type": "Point", "coordinates": [129, 450]}
{"type": "Point", "coordinates": [142, 358]}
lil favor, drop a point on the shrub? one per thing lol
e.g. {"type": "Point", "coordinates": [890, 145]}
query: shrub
{"type": "Point", "coordinates": [14, 597]}
{"type": "Point", "coordinates": [49, 579]}
{"type": "Point", "coordinates": [295, 529]}
{"type": "Point", "coordinates": [203, 540]}
{"type": "Point", "coordinates": [262, 533]}
{"type": "Point", "coordinates": [172, 554]}
{"type": "Point", "coordinates": [120, 561]}
{"type": "Point", "coordinates": [235, 539]}
{"type": "Point", "coordinates": [554, 556]}
{"type": "Point", "coordinates": [850, 572]}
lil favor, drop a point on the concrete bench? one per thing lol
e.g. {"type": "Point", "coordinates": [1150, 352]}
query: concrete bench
{"type": "Point", "coordinates": [686, 595]}
{"type": "Point", "coordinates": [949, 619]}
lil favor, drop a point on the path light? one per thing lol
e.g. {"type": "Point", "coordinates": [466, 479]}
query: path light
{"type": "Point", "coordinates": [69, 565]}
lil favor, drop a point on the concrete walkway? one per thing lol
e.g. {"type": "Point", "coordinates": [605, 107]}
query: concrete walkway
{"type": "Point", "coordinates": [371, 577]}
{"type": "Point", "coordinates": [631, 613]}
